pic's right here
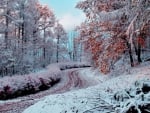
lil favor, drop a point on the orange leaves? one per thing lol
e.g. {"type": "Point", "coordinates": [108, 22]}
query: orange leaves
{"type": "Point", "coordinates": [141, 41]}
{"type": "Point", "coordinates": [104, 67]}
{"type": "Point", "coordinates": [110, 30]}
{"type": "Point", "coordinates": [95, 47]}
{"type": "Point", "coordinates": [105, 51]}
{"type": "Point", "coordinates": [119, 47]}
{"type": "Point", "coordinates": [44, 11]}
{"type": "Point", "coordinates": [110, 55]}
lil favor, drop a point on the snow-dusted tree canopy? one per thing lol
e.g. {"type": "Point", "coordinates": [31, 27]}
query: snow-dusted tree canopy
{"type": "Point", "coordinates": [114, 28]}
{"type": "Point", "coordinates": [27, 33]}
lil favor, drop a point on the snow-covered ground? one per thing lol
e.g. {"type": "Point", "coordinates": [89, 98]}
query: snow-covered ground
{"type": "Point", "coordinates": [71, 79]}
{"type": "Point", "coordinates": [95, 99]}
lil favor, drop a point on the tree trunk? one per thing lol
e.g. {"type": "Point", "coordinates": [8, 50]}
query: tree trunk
{"type": "Point", "coordinates": [44, 50]}
{"type": "Point", "coordinates": [34, 47]}
{"type": "Point", "coordinates": [57, 54]}
{"type": "Point", "coordinates": [81, 52]}
{"type": "Point", "coordinates": [131, 57]}
{"type": "Point", "coordinates": [139, 53]}
{"type": "Point", "coordinates": [19, 31]}
{"type": "Point", "coordinates": [23, 30]}
{"type": "Point", "coordinates": [135, 48]}
{"type": "Point", "coordinates": [7, 25]}
{"type": "Point", "coordinates": [130, 54]}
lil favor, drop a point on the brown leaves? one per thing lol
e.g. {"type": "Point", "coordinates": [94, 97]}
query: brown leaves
{"type": "Point", "coordinates": [44, 11]}
{"type": "Point", "coordinates": [112, 29]}
{"type": "Point", "coordinates": [141, 41]}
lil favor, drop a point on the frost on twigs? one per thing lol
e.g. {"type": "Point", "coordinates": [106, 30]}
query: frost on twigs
{"type": "Point", "coordinates": [134, 100]}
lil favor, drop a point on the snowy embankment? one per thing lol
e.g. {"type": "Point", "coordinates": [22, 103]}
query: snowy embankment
{"type": "Point", "coordinates": [19, 85]}
{"type": "Point", "coordinates": [100, 98]}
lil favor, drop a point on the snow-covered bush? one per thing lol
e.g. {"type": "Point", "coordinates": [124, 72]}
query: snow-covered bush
{"type": "Point", "coordinates": [11, 87]}
{"type": "Point", "coordinates": [19, 85]}
{"type": "Point", "coordinates": [134, 100]}
{"type": "Point", "coordinates": [64, 66]}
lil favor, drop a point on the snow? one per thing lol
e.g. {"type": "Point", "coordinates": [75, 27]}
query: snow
{"type": "Point", "coordinates": [112, 15]}
{"type": "Point", "coordinates": [69, 102]}
{"type": "Point", "coordinates": [97, 99]}
{"type": "Point", "coordinates": [16, 83]}
{"type": "Point", "coordinates": [136, 98]}
{"type": "Point", "coordinates": [14, 86]}
{"type": "Point", "coordinates": [14, 100]}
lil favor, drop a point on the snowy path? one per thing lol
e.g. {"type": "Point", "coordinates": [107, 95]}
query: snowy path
{"type": "Point", "coordinates": [71, 81]}
{"type": "Point", "coordinates": [95, 99]}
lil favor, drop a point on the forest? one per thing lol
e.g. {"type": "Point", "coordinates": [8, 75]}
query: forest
{"type": "Point", "coordinates": [31, 37]}
{"type": "Point", "coordinates": [107, 57]}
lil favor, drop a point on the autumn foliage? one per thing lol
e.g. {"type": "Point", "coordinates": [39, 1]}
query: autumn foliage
{"type": "Point", "coordinates": [111, 30]}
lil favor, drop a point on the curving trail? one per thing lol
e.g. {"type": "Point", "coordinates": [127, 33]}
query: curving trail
{"type": "Point", "coordinates": [71, 80]}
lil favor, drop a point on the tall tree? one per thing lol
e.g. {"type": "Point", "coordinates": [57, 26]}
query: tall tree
{"type": "Point", "coordinates": [61, 40]}
{"type": "Point", "coordinates": [46, 23]}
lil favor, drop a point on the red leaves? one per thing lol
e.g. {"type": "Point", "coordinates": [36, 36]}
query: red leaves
{"type": "Point", "coordinates": [141, 41]}
{"type": "Point", "coordinates": [111, 31]}
{"type": "Point", "coordinates": [44, 11]}
{"type": "Point", "coordinates": [104, 51]}
{"type": "Point", "coordinates": [104, 67]}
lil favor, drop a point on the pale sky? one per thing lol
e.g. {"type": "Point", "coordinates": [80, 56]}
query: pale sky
{"type": "Point", "coordinates": [66, 12]}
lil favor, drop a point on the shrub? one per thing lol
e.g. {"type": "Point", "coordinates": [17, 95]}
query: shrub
{"type": "Point", "coordinates": [134, 100]}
